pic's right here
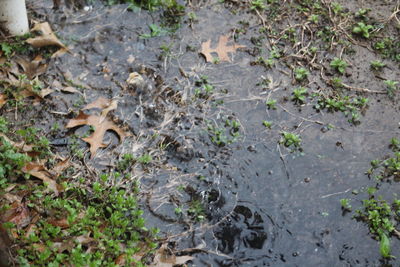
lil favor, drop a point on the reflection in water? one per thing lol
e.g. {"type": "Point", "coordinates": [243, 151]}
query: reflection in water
{"type": "Point", "coordinates": [243, 229]}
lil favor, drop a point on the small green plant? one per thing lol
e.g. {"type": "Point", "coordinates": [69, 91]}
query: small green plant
{"type": "Point", "coordinates": [362, 29]}
{"type": "Point", "coordinates": [339, 65]}
{"type": "Point", "coordinates": [314, 18]}
{"type": "Point", "coordinates": [299, 95]}
{"type": "Point", "coordinates": [267, 124]}
{"type": "Point", "coordinates": [291, 140]}
{"type": "Point", "coordinates": [258, 5]}
{"type": "Point", "coordinates": [337, 8]}
{"type": "Point", "coordinates": [3, 125]}
{"type": "Point", "coordinates": [204, 88]}
{"type": "Point", "coordinates": [271, 104]}
{"type": "Point", "coordinates": [345, 202]}
{"type": "Point", "coordinates": [145, 159]}
{"type": "Point", "coordinates": [196, 210]}
{"type": "Point", "coordinates": [226, 134]}
{"type": "Point", "coordinates": [301, 74]}
{"type": "Point", "coordinates": [126, 161]}
{"type": "Point", "coordinates": [155, 31]}
{"type": "Point", "coordinates": [377, 65]}
{"type": "Point", "coordinates": [11, 162]}
{"type": "Point", "coordinates": [391, 87]}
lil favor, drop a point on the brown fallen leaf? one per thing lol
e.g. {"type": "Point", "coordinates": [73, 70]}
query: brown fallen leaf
{"type": "Point", "coordinates": [222, 49]}
{"type": "Point", "coordinates": [100, 103]}
{"type": "Point", "coordinates": [47, 38]}
{"type": "Point", "coordinates": [3, 100]}
{"type": "Point", "coordinates": [18, 213]}
{"type": "Point", "coordinates": [101, 126]}
{"type": "Point", "coordinates": [32, 68]}
{"type": "Point", "coordinates": [70, 89]}
{"type": "Point", "coordinates": [62, 223]}
{"type": "Point", "coordinates": [38, 171]}
{"type": "Point", "coordinates": [164, 258]}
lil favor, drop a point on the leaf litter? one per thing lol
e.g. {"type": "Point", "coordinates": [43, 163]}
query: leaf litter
{"type": "Point", "coordinates": [101, 123]}
{"type": "Point", "coordinates": [221, 50]}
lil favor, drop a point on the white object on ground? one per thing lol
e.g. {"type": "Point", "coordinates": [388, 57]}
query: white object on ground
{"type": "Point", "coordinates": [13, 16]}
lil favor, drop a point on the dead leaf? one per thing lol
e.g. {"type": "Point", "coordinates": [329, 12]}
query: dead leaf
{"type": "Point", "coordinates": [164, 258]}
{"type": "Point", "coordinates": [3, 100]}
{"type": "Point", "coordinates": [222, 49]}
{"type": "Point", "coordinates": [70, 89]}
{"type": "Point", "coordinates": [113, 105]}
{"type": "Point", "coordinates": [18, 214]}
{"type": "Point", "coordinates": [62, 223]}
{"type": "Point", "coordinates": [38, 171]}
{"type": "Point", "coordinates": [45, 92]}
{"type": "Point", "coordinates": [101, 125]}
{"type": "Point", "coordinates": [61, 166]}
{"type": "Point", "coordinates": [47, 38]}
{"type": "Point", "coordinates": [32, 68]}
{"type": "Point", "coordinates": [99, 103]}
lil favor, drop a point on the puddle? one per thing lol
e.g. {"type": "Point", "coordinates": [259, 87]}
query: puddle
{"type": "Point", "coordinates": [263, 206]}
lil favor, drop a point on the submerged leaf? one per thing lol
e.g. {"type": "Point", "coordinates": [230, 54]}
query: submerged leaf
{"type": "Point", "coordinates": [165, 258]}
{"type": "Point", "coordinates": [101, 124]}
{"type": "Point", "coordinates": [222, 49]}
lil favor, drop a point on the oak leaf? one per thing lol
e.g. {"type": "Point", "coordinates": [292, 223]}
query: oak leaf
{"type": "Point", "coordinates": [47, 38]}
{"type": "Point", "coordinates": [39, 171]}
{"type": "Point", "coordinates": [32, 68]}
{"type": "Point", "coordinates": [3, 100]}
{"type": "Point", "coordinates": [101, 124]}
{"type": "Point", "coordinates": [222, 49]}
{"type": "Point", "coordinates": [165, 258]}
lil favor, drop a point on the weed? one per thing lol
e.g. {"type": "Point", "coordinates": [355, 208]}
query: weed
{"type": "Point", "coordinates": [126, 161]}
{"type": "Point", "coordinates": [363, 29]}
{"type": "Point", "coordinates": [391, 87]}
{"type": "Point", "coordinates": [345, 202]}
{"type": "Point", "coordinates": [299, 95]}
{"type": "Point", "coordinates": [291, 140]}
{"type": "Point", "coordinates": [3, 125]}
{"type": "Point", "coordinates": [145, 159]}
{"type": "Point", "coordinates": [257, 5]}
{"type": "Point", "coordinates": [377, 65]}
{"type": "Point", "coordinates": [196, 210]}
{"type": "Point", "coordinates": [222, 136]}
{"type": "Point", "coordinates": [313, 18]}
{"type": "Point", "coordinates": [155, 31]}
{"type": "Point", "coordinates": [301, 74]}
{"type": "Point", "coordinates": [339, 65]}
{"type": "Point", "coordinates": [204, 88]}
{"type": "Point", "coordinates": [11, 162]}
{"type": "Point", "coordinates": [271, 104]}
{"type": "Point", "coordinates": [337, 8]}
{"type": "Point", "coordinates": [267, 124]}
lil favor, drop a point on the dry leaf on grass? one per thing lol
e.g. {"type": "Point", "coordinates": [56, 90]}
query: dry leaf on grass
{"type": "Point", "coordinates": [222, 49]}
{"type": "Point", "coordinates": [32, 68]}
{"type": "Point", "coordinates": [47, 38]}
{"type": "Point", "coordinates": [3, 100]}
{"type": "Point", "coordinates": [70, 89]}
{"type": "Point", "coordinates": [165, 259]}
{"type": "Point", "coordinates": [38, 171]}
{"type": "Point", "coordinates": [100, 103]}
{"type": "Point", "coordinates": [101, 124]}
{"type": "Point", "coordinates": [18, 213]}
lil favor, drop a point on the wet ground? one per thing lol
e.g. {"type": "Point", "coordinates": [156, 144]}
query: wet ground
{"type": "Point", "coordinates": [263, 204]}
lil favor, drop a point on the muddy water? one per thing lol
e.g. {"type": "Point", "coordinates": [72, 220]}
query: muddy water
{"type": "Point", "coordinates": [264, 205]}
